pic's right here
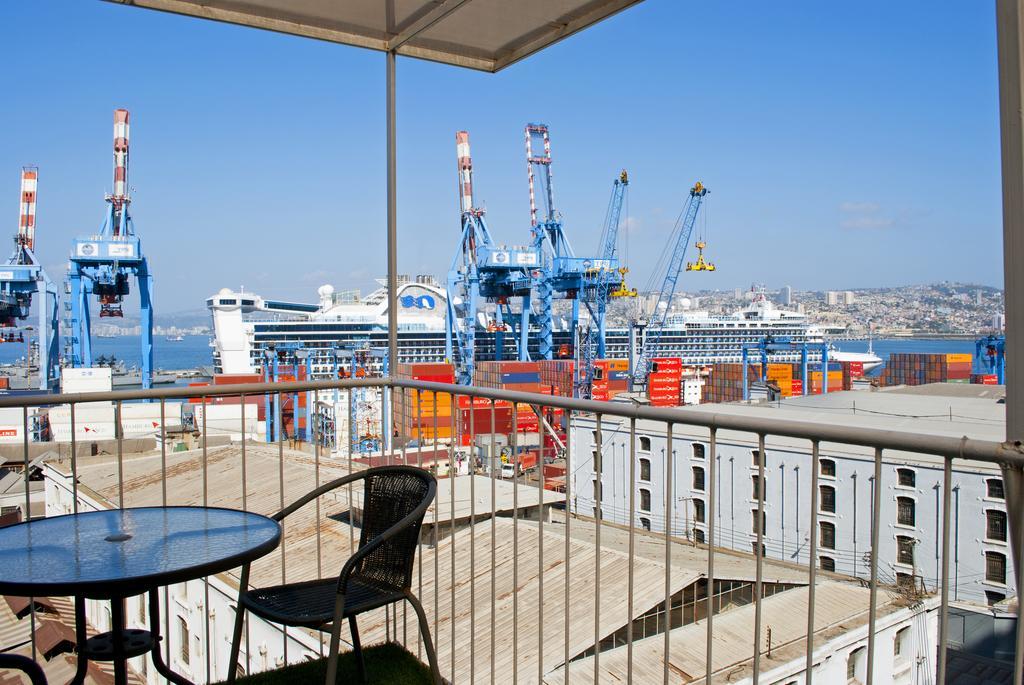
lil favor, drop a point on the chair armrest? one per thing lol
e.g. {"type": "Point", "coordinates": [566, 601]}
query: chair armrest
{"type": "Point", "coordinates": [408, 520]}
{"type": "Point", "coordinates": [325, 488]}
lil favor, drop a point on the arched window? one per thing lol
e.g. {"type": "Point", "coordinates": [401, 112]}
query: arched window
{"type": "Point", "coordinates": [995, 567]}
{"type": "Point", "coordinates": [698, 510]}
{"type": "Point", "coordinates": [901, 644]}
{"type": "Point", "coordinates": [905, 511]}
{"type": "Point", "coordinates": [698, 478]}
{"type": "Point", "coordinates": [827, 564]}
{"type": "Point", "coordinates": [698, 535]}
{"type": "Point", "coordinates": [698, 450]}
{"type": "Point", "coordinates": [645, 499]}
{"type": "Point", "coordinates": [758, 457]}
{"type": "Point", "coordinates": [645, 443]}
{"type": "Point", "coordinates": [754, 521]}
{"type": "Point", "coordinates": [827, 539]}
{"type": "Point", "coordinates": [827, 499]}
{"type": "Point", "coordinates": [905, 550]}
{"type": "Point", "coordinates": [906, 477]}
{"type": "Point", "coordinates": [645, 469]}
{"type": "Point", "coordinates": [828, 468]}
{"type": "Point", "coordinates": [645, 523]}
{"type": "Point", "coordinates": [855, 663]}
{"type": "Point", "coordinates": [995, 488]}
{"type": "Point", "coordinates": [757, 492]}
{"type": "Point", "coordinates": [996, 525]}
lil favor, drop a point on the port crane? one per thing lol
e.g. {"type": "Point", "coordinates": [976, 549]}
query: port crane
{"type": "Point", "coordinates": [21, 279]}
{"type": "Point", "coordinates": [104, 263]}
{"type": "Point", "coordinates": [601, 283]}
{"type": "Point", "coordinates": [659, 316]}
{"type": "Point", "coordinates": [990, 356]}
{"type": "Point", "coordinates": [482, 269]}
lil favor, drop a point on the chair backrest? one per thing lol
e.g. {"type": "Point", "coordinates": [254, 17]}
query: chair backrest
{"type": "Point", "coordinates": [389, 495]}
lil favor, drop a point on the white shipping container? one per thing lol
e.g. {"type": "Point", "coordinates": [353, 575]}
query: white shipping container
{"type": "Point", "coordinates": [92, 430]}
{"type": "Point", "coordinates": [226, 419]}
{"type": "Point", "coordinates": [85, 412]}
{"type": "Point", "coordinates": [12, 432]}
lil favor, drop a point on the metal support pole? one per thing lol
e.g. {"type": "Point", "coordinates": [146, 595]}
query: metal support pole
{"type": "Point", "coordinates": [1009, 32]}
{"type": "Point", "coordinates": [392, 217]}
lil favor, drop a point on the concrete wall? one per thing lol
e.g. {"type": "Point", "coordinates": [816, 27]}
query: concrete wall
{"type": "Point", "coordinates": [787, 504]}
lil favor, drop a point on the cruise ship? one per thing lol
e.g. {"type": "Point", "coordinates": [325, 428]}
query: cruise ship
{"type": "Point", "coordinates": [247, 325]}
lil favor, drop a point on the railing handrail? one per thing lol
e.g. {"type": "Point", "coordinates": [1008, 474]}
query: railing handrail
{"type": "Point", "coordinates": [904, 441]}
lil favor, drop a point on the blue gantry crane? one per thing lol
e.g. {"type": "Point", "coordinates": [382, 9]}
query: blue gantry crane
{"type": "Point", "coordinates": [103, 265]}
{"type": "Point", "coordinates": [659, 316]}
{"type": "Point", "coordinates": [483, 270]}
{"type": "Point", "coordinates": [21, 279]}
{"type": "Point", "coordinates": [990, 356]}
{"type": "Point", "coordinates": [770, 344]}
{"type": "Point", "coordinates": [603, 280]}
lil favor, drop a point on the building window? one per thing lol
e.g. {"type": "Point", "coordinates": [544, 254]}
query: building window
{"type": "Point", "coordinates": [996, 528]}
{"type": "Point", "coordinates": [827, 539]}
{"type": "Point", "coordinates": [594, 434]}
{"type": "Point", "coordinates": [698, 478]}
{"type": "Point", "coordinates": [906, 477]}
{"type": "Point", "coordinates": [757, 492]}
{"type": "Point", "coordinates": [645, 499]}
{"type": "Point", "coordinates": [905, 550]}
{"type": "Point", "coordinates": [994, 597]}
{"type": "Point", "coordinates": [905, 511]}
{"type": "Point", "coordinates": [827, 564]}
{"type": "Point", "coordinates": [995, 488]}
{"type": "Point", "coordinates": [754, 519]}
{"type": "Point", "coordinates": [828, 498]}
{"type": "Point", "coordinates": [854, 662]}
{"type": "Point", "coordinates": [645, 469]}
{"type": "Point", "coordinates": [645, 443]}
{"type": "Point", "coordinates": [753, 549]}
{"type": "Point", "coordinates": [183, 640]}
{"type": "Point", "coordinates": [995, 567]}
{"type": "Point", "coordinates": [758, 457]}
{"type": "Point", "coordinates": [698, 510]}
{"type": "Point", "coordinates": [905, 581]}
{"type": "Point", "coordinates": [698, 535]}
{"type": "Point", "coordinates": [645, 523]}
{"type": "Point", "coordinates": [698, 450]}
{"type": "Point", "coordinates": [828, 468]}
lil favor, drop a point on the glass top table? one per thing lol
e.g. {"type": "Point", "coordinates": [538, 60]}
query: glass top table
{"type": "Point", "coordinates": [123, 552]}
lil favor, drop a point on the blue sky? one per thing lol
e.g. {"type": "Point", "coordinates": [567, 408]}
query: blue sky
{"type": "Point", "coordinates": [845, 144]}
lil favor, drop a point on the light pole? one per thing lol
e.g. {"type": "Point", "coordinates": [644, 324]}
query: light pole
{"type": "Point", "coordinates": [28, 354]}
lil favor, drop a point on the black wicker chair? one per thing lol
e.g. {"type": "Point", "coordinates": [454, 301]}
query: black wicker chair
{"type": "Point", "coordinates": [23, 663]}
{"type": "Point", "coordinates": [395, 499]}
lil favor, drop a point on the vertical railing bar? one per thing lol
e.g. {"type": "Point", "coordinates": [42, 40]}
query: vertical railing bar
{"type": "Point", "coordinates": [598, 515]}
{"type": "Point", "coordinates": [351, 434]}
{"type": "Point", "coordinates": [632, 550]}
{"type": "Point", "coordinates": [762, 494]}
{"type": "Point", "coordinates": [472, 539]}
{"type": "Point", "coordinates": [435, 529]}
{"type": "Point", "coordinates": [163, 502]}
{"type": "Point", "coordinates": [206, 580]}
{"type": "Point", "coordinates": [28, 517]}
{"type": "Point", "coordinates": [568, 548]}
{"type": "Point", "coordinates": [873, 602]}
{"type": "Point", "coordinates": [119, 435]}
{"type": "Point", "coordinates": [709, 517]}
{"type": "Point", "coordinates": [317, 438]}
{"type": "Point", "coordinates": [668, 552]}
{"type": "Point", "coordinates": [494, 541]}
{"type": "Point", "coordinates": [405, 460]}
{"type": "Point", "coordinates": [540, 547]}
{"type": "Point", "coordinates": [451, 478]}
{"type": "Point", "coordinates": [206, 488]}
{"type": "Point", "coordinates": [245, 481]}
{"type": "Point", "coordinates": [947, 478]}
{"type": "Point", "coordinates": [419, 462]}
{"type": "Point", "coordinates": [515, 542]}
{"type": "Point", "coordinates": [812, 561]}
{"type": "Point", "coordinates": [280, 490]}
{"type": "Point", "coordinates": [74, 462]}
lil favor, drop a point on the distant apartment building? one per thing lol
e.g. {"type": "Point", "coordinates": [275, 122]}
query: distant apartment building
{"type": "Point", "coordinates": [910, 539]}
{"type": "Point", "coordinates": [999, 321]}
{"type": "Point", "coordinates": [786, 296]}
{"type": "Point", "coordinates": [839, 297]}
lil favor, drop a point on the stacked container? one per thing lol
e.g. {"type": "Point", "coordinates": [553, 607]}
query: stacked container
{"type": "Point", "coordinates": [725, 383]}
{"type": "Point", "coordinates": [984, 379]}
{"type": "Point", "coordinates": [556, 375]}
{"type": "Point", "coordinates": [520, 376]}
{"type": "Point", "coordinates": [663, 383]}
{"type": "Point", "coordinates": [611, 377]}
{"type": "Point", "coordinates": [422, 415]}
{"type": "Point", "coordinates": [919, 369]}
{"type": "Point", "coordinates": [815, 377]}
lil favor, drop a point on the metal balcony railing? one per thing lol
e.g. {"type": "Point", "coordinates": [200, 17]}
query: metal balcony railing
{"type": "Point", "coordinates": [516, 590]}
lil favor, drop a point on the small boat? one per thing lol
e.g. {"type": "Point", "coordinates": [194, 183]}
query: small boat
{"type": "Point", "coordinates": [175, 338]}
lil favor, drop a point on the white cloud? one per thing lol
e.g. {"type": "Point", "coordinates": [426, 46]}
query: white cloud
{"type": "Point", "coordinates": [859, 207]}
{"type": "Point", "coordinates": [867, 222]}
{"type": "Point", "coordinates": [631, 224]}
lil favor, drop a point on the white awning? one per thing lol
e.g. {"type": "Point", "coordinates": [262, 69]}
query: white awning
{"type": "Point", "coordinates": [478, 34]}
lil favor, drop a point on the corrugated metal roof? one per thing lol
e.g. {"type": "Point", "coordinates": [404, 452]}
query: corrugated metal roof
{"type": "Point", "coordinates": [487, 35]}
{"type": "Point", "coordinates": [836, 605]}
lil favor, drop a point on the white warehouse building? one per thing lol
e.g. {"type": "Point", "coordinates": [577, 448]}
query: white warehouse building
{"type": "Point", "coordinates": [910, 539]}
